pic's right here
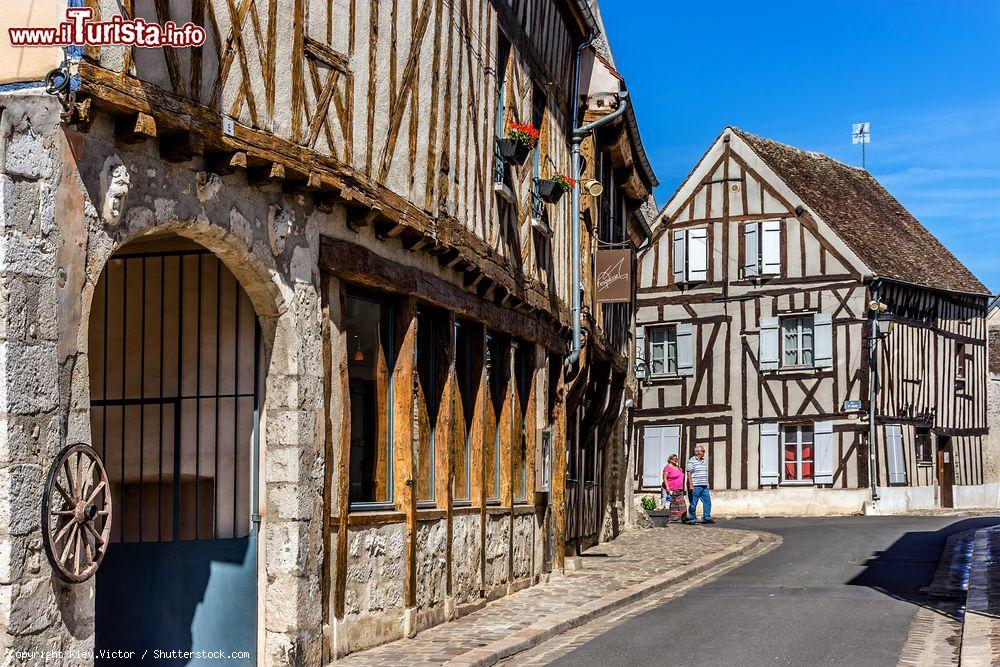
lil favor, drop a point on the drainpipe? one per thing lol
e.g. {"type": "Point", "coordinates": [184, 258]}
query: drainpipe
{"type": "Point", "coordinates": [872, 380]}
{"type": "Point", "coordinates": [576, 283]}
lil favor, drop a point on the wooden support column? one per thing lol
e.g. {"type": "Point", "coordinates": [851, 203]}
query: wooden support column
{"type": "Point", "coordinates": [506, 420]}
{"type": "Point", "coordinates": [404, 463]}
{"type": "Point", "coordinates": [446, 438]}
{"type": "Point", "coordinates": [343, 456]}
{"type": "Point", "coordinates": [477, 473]}
{"type": "Point", "coordinates": [558, 467]}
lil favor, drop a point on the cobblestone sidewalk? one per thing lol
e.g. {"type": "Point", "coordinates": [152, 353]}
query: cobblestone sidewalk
{"type": "Point", "coordinates": [637, 564]}
{"type": "Point", "coordinates": [981, 630]}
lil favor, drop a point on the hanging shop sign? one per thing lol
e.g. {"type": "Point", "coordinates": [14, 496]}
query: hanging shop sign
{"type": "Point", "coordinates": [613, 276]}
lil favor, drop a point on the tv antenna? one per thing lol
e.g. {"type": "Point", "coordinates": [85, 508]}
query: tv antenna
{"type": "Point", "coordinates": [861, 133]}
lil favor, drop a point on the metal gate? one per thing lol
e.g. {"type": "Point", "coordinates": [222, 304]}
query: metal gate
{"type": "Point", "coordinates": [175, 350]}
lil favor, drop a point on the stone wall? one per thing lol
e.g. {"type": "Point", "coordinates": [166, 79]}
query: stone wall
{"type": "Point", "coordinates": [991, 447]}
{"type": "Point", "coordinates": [374, 597]}
{"type": "Point", "coordinates": [60, 227]}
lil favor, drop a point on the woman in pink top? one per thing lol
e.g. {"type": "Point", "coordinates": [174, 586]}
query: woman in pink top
{"type": "Point", "coordinates": [673, 488]}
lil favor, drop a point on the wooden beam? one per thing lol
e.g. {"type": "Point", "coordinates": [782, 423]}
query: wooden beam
{"type": "Point", "coordinates": [273, 172]}
{"type": "Point", "coordinates": [404, 467]}
{"type": "Point", "coordinates": [134, 128]}
{"type": "Point", "coordinates": [225, 163]}
{"type": "Point", "coordinates": [360, 217]}
{"type": "Point", "coordinates": [360, 265]}
{"type": "Point", "coordinates": [179, 147]}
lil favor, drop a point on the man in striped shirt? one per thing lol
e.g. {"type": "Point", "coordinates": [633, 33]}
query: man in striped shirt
{"type": "Point", "coordinates": [697, 471]}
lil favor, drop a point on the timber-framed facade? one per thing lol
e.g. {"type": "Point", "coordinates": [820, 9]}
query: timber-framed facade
{"type": "Point", "coordinates": [316, 324]}
{"type": "Point", "coordinates": [754, 327]}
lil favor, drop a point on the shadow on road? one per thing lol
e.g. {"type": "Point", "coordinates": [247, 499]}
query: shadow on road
{"type": "Point", "coordinates": [891, 571]}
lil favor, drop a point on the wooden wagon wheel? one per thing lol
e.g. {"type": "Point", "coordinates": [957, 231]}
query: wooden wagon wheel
{"type": "Point", "coordinates": [76, 513]}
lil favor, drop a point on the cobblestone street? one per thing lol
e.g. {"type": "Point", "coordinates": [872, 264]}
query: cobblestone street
{"type": "Point", "coordinates": [613, 575]}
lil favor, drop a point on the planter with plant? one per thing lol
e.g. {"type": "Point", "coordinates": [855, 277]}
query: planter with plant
{"type": "Point", "coordinates": [649, 503]}
{"type": "Point", "coordinates": [517, 145]}
{"type": "Point", "coordinates": [552, 189]}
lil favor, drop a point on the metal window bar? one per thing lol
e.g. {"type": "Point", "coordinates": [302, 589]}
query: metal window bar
{"type": "Point", "coordinates": [180, 398]}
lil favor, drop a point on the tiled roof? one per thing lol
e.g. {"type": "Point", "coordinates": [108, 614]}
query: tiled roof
{"type": "Point", "coordinates": [883, 234]}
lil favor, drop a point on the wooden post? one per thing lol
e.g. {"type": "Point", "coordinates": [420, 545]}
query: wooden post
{"type": "Point", "coordinates": [403, 446]}
{"type": "Point", "coordinates": [343, 459]}
{"type": "Point", "coordinates": [559, 467]}
{"type": "Point", "coordinates": [445, 437]}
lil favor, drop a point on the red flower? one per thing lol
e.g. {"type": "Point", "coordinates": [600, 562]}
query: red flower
{"type": "Point", "coordinates": [526, 133]}
{"type": "Point", "coordinates": [566, 182]}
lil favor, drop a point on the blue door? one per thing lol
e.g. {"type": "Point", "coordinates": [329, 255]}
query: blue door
{"type": "Point", "coordinates": [175, 352]}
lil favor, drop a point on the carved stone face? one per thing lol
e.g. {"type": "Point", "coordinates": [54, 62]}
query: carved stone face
{"type": "Point", "coordinates": [118, 182]}
{"type": "Point", "coordinates": [279, 226]}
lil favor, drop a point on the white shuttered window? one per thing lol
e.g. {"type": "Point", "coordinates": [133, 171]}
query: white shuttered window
{"type": "Point", "coordinates": [895, 463]}
{"type": "Point", "coordinates": [769, 446]}
{"type": "Point", "coordinates": [671, 350]}
{"type": "Point", "coordinates": [658, 443]}
{"type": "Point", "coordinates": [690, 255]}
{"type": "Point", "coordinates": [762, 248]}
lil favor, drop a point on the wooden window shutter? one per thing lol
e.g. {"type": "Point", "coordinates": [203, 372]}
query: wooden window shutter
{"type": "Point", "coordinates": [823, 453]}
{"type": "Point", "coordinates": [685, 349]}
{"type": "Point", "coordinates": [770, 247]}
{"type": "Point", "coordinates": [823, 340]}
{"type": "Point", "coordinates": [640, 352]}
{"type": "Point", "coordinates": [769, 449]}
{"type": "Point", "coordinates": [652, 444]}
{"type": "Point", "coordinates": [895, 463]}
{"type": "Point", "coordinates": [671, 444]}
{"type": "Point", "coordinates": [680, 255]}
{"type": "Point", "coordinates": [751, 249]}
{"type": "Point", "coordinates": [697, 251]}
{"type": "Point", "coordinates": [768, 343]}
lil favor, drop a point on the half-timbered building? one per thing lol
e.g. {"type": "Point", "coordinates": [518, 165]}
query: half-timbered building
{"type": "Point", "coordinates": [821, 344]}
{"type": "Point", "coordinates": [306, 327]}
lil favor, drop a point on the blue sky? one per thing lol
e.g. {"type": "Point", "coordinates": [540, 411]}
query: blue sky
{"type": "Point", "coordinates": [926, 74]}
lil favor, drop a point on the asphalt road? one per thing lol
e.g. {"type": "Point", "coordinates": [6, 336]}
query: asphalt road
{"type": "Point", "coordinates": [838, 591]}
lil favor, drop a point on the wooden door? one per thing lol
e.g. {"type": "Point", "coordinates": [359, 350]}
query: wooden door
{"type": "Point", "coordinates": [946, 471]}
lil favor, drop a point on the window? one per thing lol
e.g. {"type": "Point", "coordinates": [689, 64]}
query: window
{"type": "Point", "coordinates": [467, 373]}
{"type": "Point", "coordinates": [658, 444]}
{"type": "Point", "coordinates": [797, 341]}
{"type": "Point", "coordinates": [537, 119]}
{"type": "Point", "coordinates": [663, 351]}
{"type": "Point", "coordinates": [503, 55]}
{"type": "Point", "coordinates": [922, 443]}
{"type": "Point", "coordinates": [798, 454]}
{"type": "Point", "coordinates": [370, 326]}
{"type": "Point", "coordinates": [690, 255]}
{"type": "Point", "coordinates": [961, 363]}
{"type": "Point", "coordinates": [497, 379]}
{"type": "Point", "coordinates": [670, 350]}
{"type": "Point", "coordinates": [523, 373]}
{"type": "Point", "coordinates": [431, 327]}
{"type": "Point", "coordinates": [762, 248]}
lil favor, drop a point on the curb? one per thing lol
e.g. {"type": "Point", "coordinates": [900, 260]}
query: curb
{"type": "Point", "coordinates": [977, 624]}
{"type": "Point", "coordinates": [559, 623]}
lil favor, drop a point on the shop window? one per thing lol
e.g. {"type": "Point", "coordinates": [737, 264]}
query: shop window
{"type": "Point", "coordinates": [497, 380]}
{"type": "Point", "coordinates": [523, 370]}
{"type": "Point", "coordinates": [432, 332]}
{"type": "Point", "coordinates": [467, 365]}
{"type": "Point", "coordinates": [370, 326]}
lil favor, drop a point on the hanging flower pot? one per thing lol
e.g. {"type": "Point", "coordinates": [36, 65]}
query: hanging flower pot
{"type": "Point", "coordinates": [512, 151]}
{"type": "Point", "coordinates": [521, 139]}
{"type": "Point", "coordinates": [551, 189]}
